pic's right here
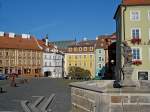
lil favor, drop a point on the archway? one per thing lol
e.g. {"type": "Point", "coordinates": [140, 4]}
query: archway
{"type": "Point", "coordinates": [47, 73]}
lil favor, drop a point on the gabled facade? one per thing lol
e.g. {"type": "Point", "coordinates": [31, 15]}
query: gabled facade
{"type": "Point", "coordinates": [81, 54]}
{"type": "Point", "coordinates": [133, 27]}
{"type": "Point", "coordinates": [53, 60]}
{"type": "Point", "coordinates": [20, 54]}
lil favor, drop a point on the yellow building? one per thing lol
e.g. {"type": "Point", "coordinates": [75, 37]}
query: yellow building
{"type": "Point", "coordinates": [81, 55]}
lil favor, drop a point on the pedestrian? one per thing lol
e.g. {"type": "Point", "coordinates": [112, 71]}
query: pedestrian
{"type": "Point", "coordinates": [13, 83]}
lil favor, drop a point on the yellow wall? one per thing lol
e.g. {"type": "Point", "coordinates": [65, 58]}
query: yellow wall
{"type": "Point", "coordinates": [85, 61]}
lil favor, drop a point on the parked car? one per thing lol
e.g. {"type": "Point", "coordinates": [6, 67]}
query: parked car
{"type": "Point", "coordinates": [3, 77]}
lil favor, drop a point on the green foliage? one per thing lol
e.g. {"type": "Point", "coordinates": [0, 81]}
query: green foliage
{"type": "Point", "coordinates": [79, 73]}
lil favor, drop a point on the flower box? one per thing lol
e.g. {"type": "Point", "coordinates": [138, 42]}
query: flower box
{"type": "Point", "coordinates": [136, 40]}
{"type": "Point", "coordinates": [137, 62]}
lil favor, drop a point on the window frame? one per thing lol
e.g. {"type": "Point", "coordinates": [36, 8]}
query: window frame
{"type": "Point", "coordinates": [131, 12]}
{"type": "Point", "coordinates": [135, 29]}
{"type": "Point", "coordinates": [80, 48]}
{"type": "Point", "coordinates": [85, 48]}
{"type": "Point", "coordinates": [149, 15]}
{"type": "Point", "coordinates": [140, 53]}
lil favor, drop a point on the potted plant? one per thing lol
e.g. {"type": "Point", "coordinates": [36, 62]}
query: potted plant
{"type": "Point", "coordinates": [137, 62]}
{"type": "Point", "coordinates": [136, 40]}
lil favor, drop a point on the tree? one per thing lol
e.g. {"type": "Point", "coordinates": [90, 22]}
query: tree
{"type": "Point", "coordinates": [79, 73]}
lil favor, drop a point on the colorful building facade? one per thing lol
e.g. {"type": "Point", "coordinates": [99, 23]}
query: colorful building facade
{"type": "Point", "coordinates": [81, 54]}
{"type": "Point", "coordinates": [103, 55]}
{"type": "Point", "coordinates": [133, 27]}
{"type": "Point", "coordinates": [53, 60]}
{"type": "Point", "coordinates": [20, 54]}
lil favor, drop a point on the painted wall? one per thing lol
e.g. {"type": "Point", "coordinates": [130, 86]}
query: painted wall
{"type": "Point", "coordinates": [85, 61]}
{"type": "Point", "coordinates": [144, 25]}
{"type": "Point", "coordinates": [54, 64]}
{"type": "Point", "coordinates": [100, 53]}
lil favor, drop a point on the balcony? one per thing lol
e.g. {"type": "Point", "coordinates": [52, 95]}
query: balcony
{"type": "Point", "coordinates": [135, 40]}
{"type": "Point", "coordinates": [136, 62]}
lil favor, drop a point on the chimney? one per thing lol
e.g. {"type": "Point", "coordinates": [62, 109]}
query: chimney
{"type": "Point", "coordinates": [25, 36]}
{"type": "Point", "coordinates": [46, 40]}
{"type": "Point", "coordinates": [1, 34]}
{"type": "Point", "coordinates": [96, 38]}
{"type": "Point", "coordinates": [11, 35]}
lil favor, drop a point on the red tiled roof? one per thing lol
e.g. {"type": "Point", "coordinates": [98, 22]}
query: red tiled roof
{"type": "Point", "coordinates": [18, 43]}
{"type": "Point", "coordinates": [104, 41]}
{"type": "Point", "coordinates": [42, 44]}
{"type": "Point", "coordinates": [136, 2]}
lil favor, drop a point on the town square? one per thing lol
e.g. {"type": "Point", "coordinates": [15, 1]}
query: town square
{"type": "Point", "coordinates": [75, 56]}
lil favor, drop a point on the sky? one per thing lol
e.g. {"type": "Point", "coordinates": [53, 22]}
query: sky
{"type": "Point", "coordinates": [60, 19]}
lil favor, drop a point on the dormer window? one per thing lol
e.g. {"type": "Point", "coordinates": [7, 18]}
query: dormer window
{"type": "Point", "coordinates": [91, 48]}
{"type": "Point", "coordinates": [80, 48]}
{"type": "Point", "coordinates": [85, 48]}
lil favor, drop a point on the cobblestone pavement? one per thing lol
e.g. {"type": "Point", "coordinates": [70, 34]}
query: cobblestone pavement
{"type": "Point", "coordinates": [10, 100]}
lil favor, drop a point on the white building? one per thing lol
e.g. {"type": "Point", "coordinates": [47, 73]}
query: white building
{"type": "Point", "coordinates": [53, 64]}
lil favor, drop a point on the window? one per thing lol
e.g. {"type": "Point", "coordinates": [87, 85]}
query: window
{"type": "Point", "coordinates": [135, 15]}
{"type": "Point", "coordinates": [45, 56]}
{"type": "Point", "coordinates": [1, 62]}
{"type": "Point", "coordinates": [85, 48]}
{"type": "Point", "coordinates": [142, 75]}
{"type": "Point", "coordinates": [6, 53]}
{"type": "Point", "coordinates": [76, 57]}
{"type": "Point", "coordinates": [69, 57]}
{"type": "Point", "coordinates": [45, 63]}
{"type": "Point", "coordinates": [148, 15]}
{"type": "Point", "coordinates": [80, 48]}
{"type": "Point", "coordinates": [135, 33]}
{"type": "Point", "coordinates": [91, 48]}
{"type": "Point", "coordinates": [100, 59]}
{"type": "Point", "coordinates": [84, 64]}
{"type": "Point", "coordinates": [136, 54]}
{"type": "Point", "coordinates": [99, 51]}
{"type": "Point", "coordinates": [100, 65]}
{"type": "Point", "coordinates": [90, 64]}
{"type": "Point", "coordinates": [91, 56]}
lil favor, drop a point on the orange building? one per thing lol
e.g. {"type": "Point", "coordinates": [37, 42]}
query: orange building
{"type": "Point", "coordinates": [20, 54]}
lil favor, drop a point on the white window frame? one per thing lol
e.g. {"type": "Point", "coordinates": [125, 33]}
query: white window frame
{"type": "Point", "coordinates": [131, 19]}
{"type": "Point", "coordinates": [136, 29]}
{"type": "Point", "coordinates": [140, 52]}
{"type": "Point", "coordinates": [149, 15]}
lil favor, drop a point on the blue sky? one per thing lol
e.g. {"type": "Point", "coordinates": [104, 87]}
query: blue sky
{"type": "Point", "coordinates": [60, 19]}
